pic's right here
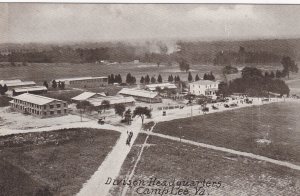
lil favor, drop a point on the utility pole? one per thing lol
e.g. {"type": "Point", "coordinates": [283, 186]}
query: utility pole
{"type": "Point", "coordinates": [191, 111]}
{"type": "Point", "coordinates": [180, 128]}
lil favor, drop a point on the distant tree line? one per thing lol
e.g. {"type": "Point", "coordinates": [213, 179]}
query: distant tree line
{"type": "Point", "coordinates": [114, 79]}
{"type": "Point", "coordinates": [186, 53]}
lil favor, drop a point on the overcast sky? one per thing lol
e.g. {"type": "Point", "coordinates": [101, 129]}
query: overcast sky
{"type": "Point", "coordinates": [102, 22]}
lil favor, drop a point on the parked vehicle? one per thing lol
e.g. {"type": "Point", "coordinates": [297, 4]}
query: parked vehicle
{"type": "Point", "coordinates": [101, 121]}
{"type": "Point", "coordinates": [248, 101]}
{"type": "Point", "coordinates": [206, 109]}
{"type": "Point", "coordinates": [233, 105]}
{"type": "Point", "coordinates": [214, 107]}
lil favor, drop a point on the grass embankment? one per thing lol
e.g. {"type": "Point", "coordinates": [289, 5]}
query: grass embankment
{"type": "Point", "coordinates": [168, 160]}
{"type": "Point", "coordinates": [54, 163]}
{"type": "Point", "coordinates": [275, 125]}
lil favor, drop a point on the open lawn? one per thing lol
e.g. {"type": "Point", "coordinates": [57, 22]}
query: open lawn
{"type": "Point", "coordinates": [48, 71]}
{"type": "Point", "coordinates": [52, 163]}
{"type": "Point", "coordinates": [233, 175]}
{"type": "Point", "coordinates": [65, 95]}
{"type": "Point", "coordinates": [270, 130]}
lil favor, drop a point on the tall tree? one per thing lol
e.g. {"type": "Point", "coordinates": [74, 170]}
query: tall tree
{"type": "Point", "coordinates": [5, 88]}
{"type": "Point", "coordinates": [147, 79]}
{"type": "Point", "coordinates": [184, 66]}
{"type": "Point", "coordinates": [142, 80]}
{"type": "Point", "coordinates": [159, 79]}
{"type": "Point", "coordinates": [153, 80]}
{"type": "Point", "coordinates": [289, 65]}
{"type": "Point", "coordinates": [119, 79]}
{"type": "Point", "coordinates": [120, 109]}
{"type": "Point", "coordinates": [129, 78]}
{"type": "Point", "coordinates": [197, 78]}
{"type": "Point", "coordinates": [142, 112]}
{"type": "Point", "coordinates": [105, 105]}
{"type": "Point", "coordinates": [211, 76]}
{"type": "Point", "coordinates": [190, 77]}
{"type": "Point", "coordinates": [62, 85]}
{"type": "Point", "coordinates": [84, 105]}
{"type": "Point", "coordinates": [46, 84]}
{"type": "Point", "coordinates": [278, 74]}
{"type": "Point", "coordinates": [1, 90]}
{"type": "Point", "coordinates": [54, 84]}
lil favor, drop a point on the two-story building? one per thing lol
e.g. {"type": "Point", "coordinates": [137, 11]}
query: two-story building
{"type": "Point", "coordinates": [39, 106]}
{"type": "Point", "coordinates": [204, 87]}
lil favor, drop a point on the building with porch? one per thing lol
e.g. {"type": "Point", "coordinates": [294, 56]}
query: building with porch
{"type": "Point", "coordinates": [204, 87]}
{"type": "Point", "coordinates": [39, 106]}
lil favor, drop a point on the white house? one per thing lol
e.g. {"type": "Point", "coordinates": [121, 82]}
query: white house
{"type": "Point", "coordinates": [204, 87]}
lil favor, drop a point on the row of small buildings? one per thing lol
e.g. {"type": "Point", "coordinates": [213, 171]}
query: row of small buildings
{"type": "Point", "coordinates": [26, 98]}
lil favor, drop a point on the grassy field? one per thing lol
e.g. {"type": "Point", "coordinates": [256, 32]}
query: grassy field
{"type": "Point", "coordinates": [65, 95]}
{"type": "Point", "coordinates": [247, 129]}
{"type": "Point", "coordinates": [169, 160]}
{"type": "Point", "coordinates": [51, 163]}
{"type": "Point", "coordinates": [44, 71]}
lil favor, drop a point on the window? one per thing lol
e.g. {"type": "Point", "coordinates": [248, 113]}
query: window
{"type": "Point", "coordinates": [65, 110]}
{"type": "Point", "coordinates": [45, 106]}
{"type": "Point", "coordinates": [58, 111]}
{"type": "Point", "coordinates": [45, 113]}
{"type": "Point", "coordinates": [58, 105]}
{"type": "Point", "coordinates": [65, 105]}
{"type": "Point", "coordinates": [51, 112]}
{"type": "Point", "coordinates": [51, 106]}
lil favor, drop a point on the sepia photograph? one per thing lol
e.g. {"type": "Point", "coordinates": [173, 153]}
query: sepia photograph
{"type": "Point", "coordinates": [141, 99]}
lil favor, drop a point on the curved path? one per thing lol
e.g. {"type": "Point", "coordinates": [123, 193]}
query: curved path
{"type": "Point", "coordinates": [112, 165]}
{"type": "Point", "coordinates": [227, 150]}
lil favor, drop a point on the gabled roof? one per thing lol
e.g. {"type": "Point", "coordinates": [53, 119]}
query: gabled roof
{"type": "Point", "coordinates": [112, 100]}
{"type": "Point", "coordinates": [162, 86]}
{"type": "Point", "coordinates": [16, 83]}
{"type": "Point", "coordinates": [86, 95]}
{"type": "Point", "coordinates": [31, 88]}
{"type": "Point", "coordinates": [78, 78]}
{"type": "Point", "coordinates": [138, 93]}
{"type": "Point", "coordinates": [205, 82]}
{"type": "Point", "coordinates": [9, 81]}
{"type": "Point", "coordinates": [35, 99]}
